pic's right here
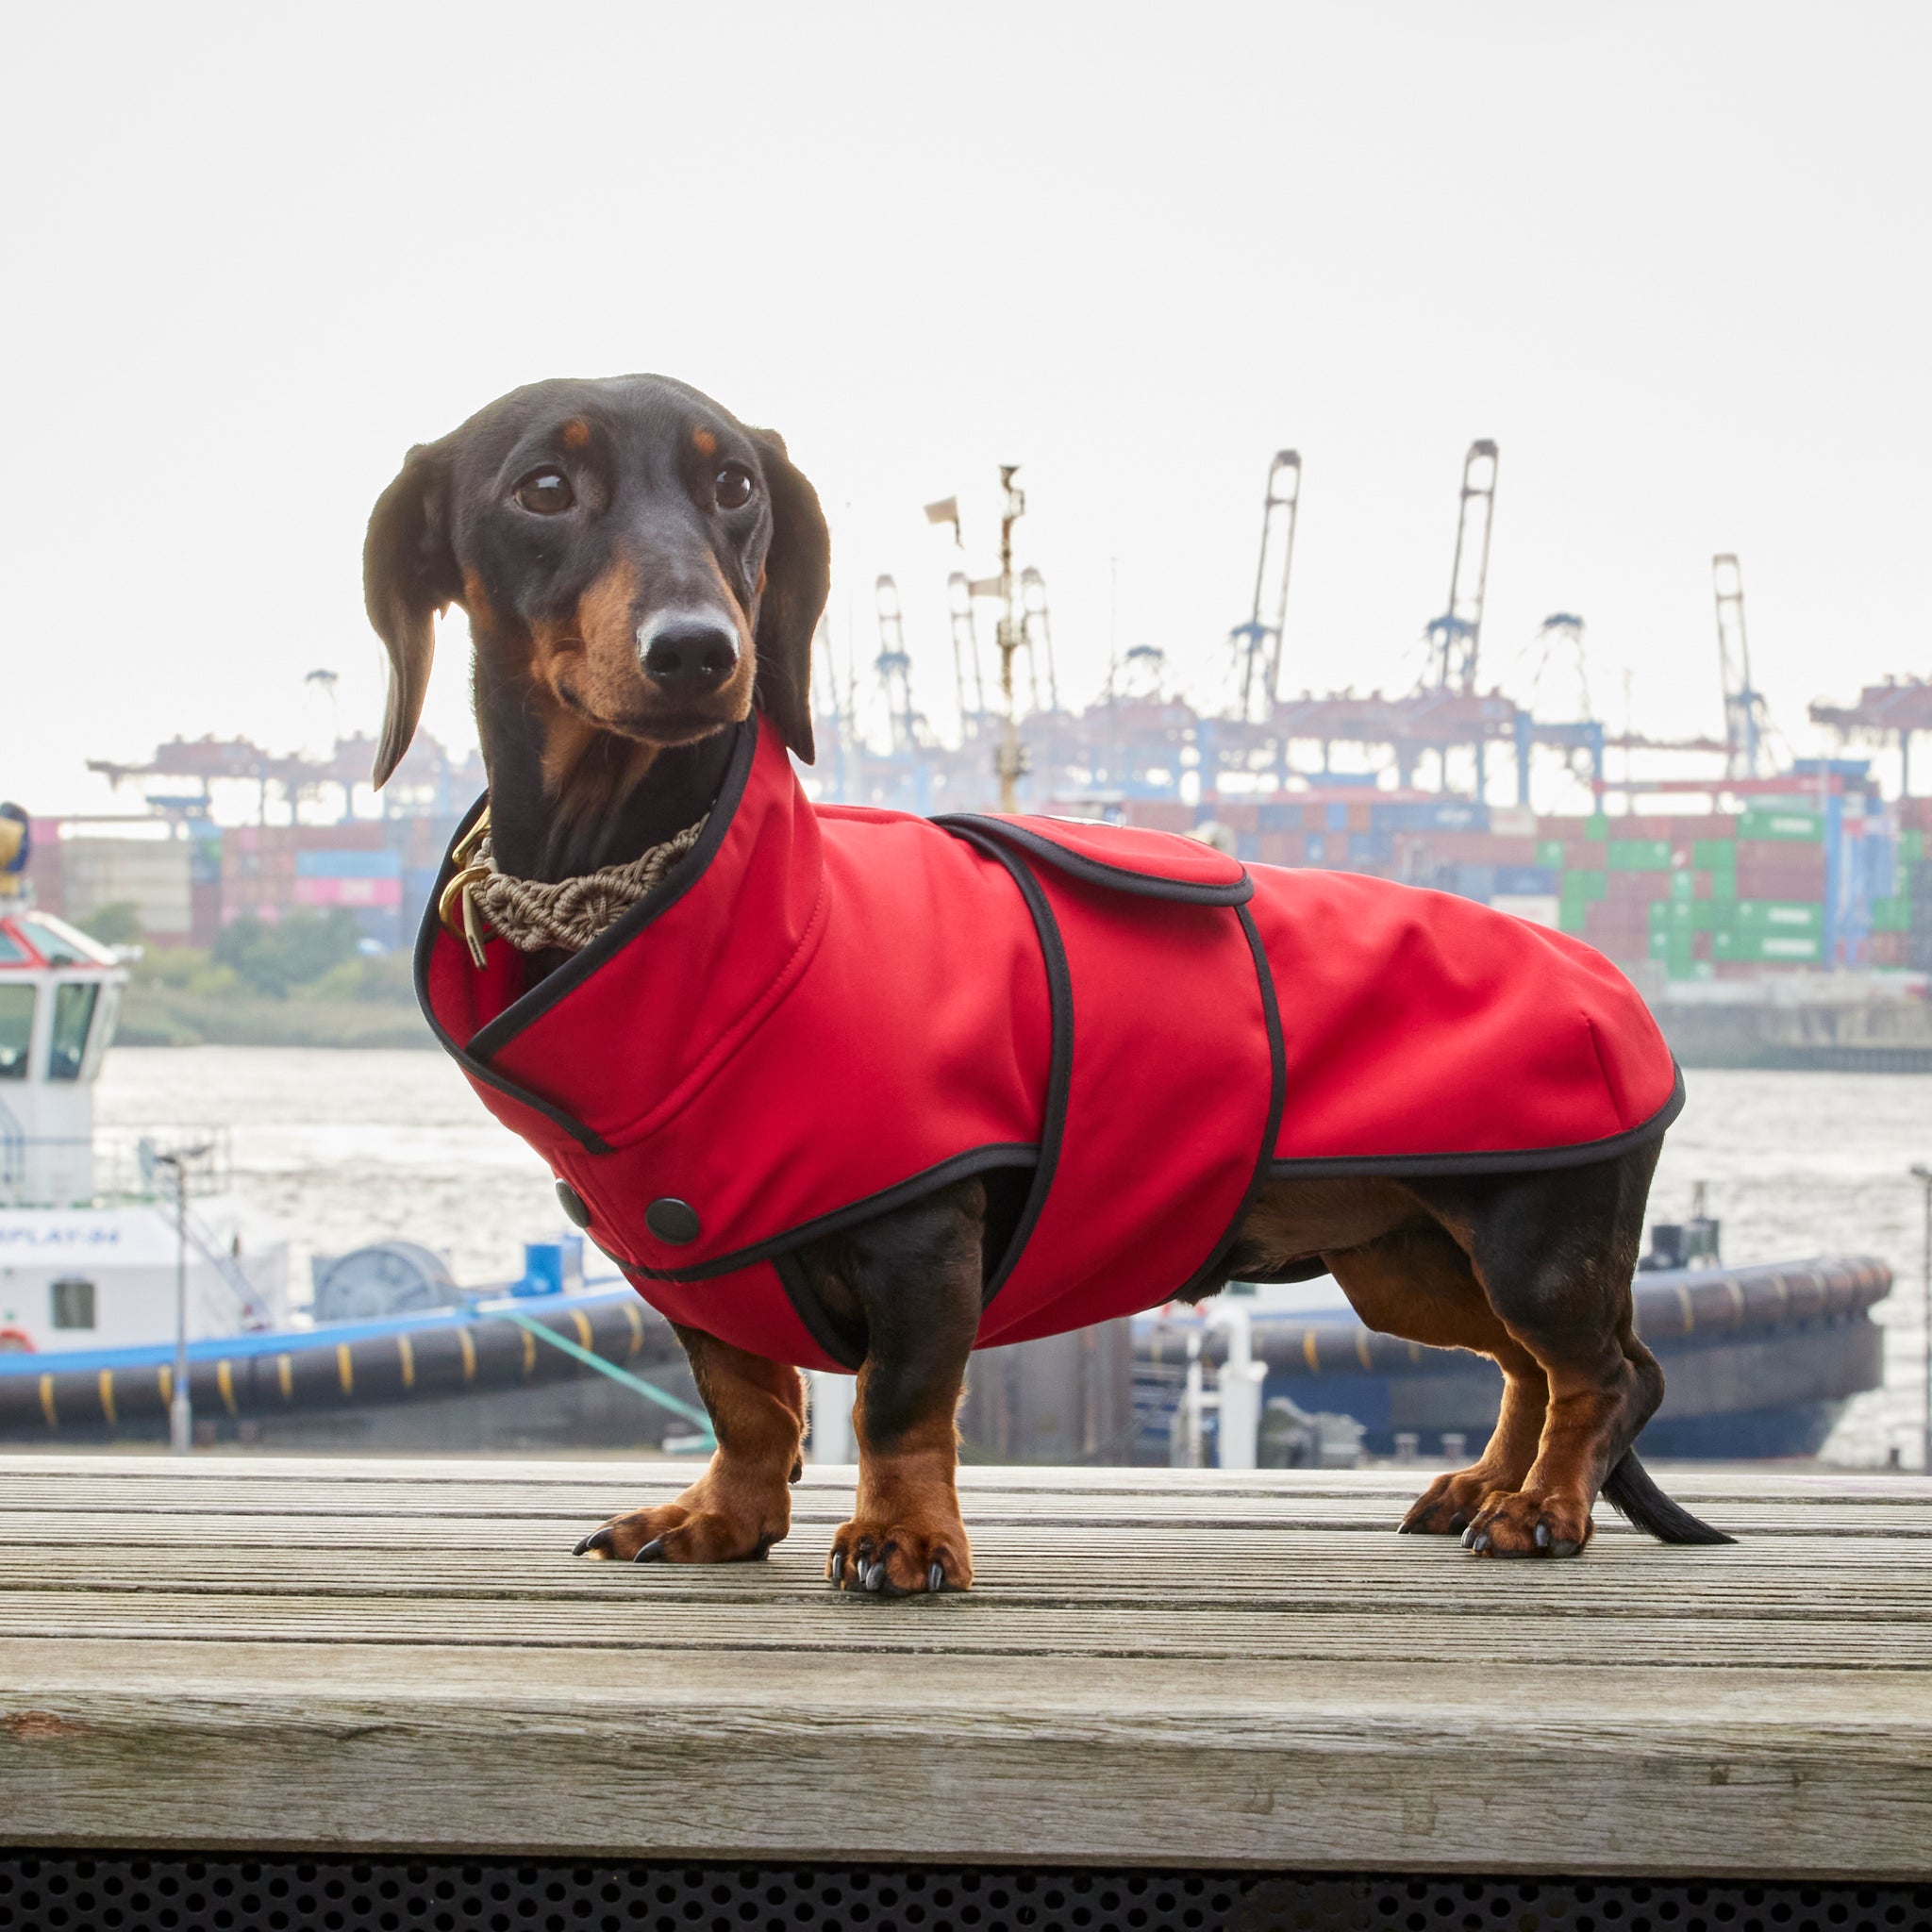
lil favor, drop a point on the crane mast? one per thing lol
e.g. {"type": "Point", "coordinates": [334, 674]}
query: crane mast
{"type": "Point", "coordinates": [1037, 634]}
{"type": "Point", "coordinates": [1455, 637]}
{"type": "Point", "coordinates": [1746, 718]}
{"type": "Point", "coordinates": [1257, 642]}
{"type": "Point", "coordinates": [894, 667]}
{"type": "Point", "coordinates": [966, 654]}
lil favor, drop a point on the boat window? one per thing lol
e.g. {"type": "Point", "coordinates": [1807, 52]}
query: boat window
{"type": "Point", "coordinates": [11, 951]}
{"type": "Point", "coordinates": [74, 1303]}
{"type": "Point", "coordinates": [105, 1023]}
{"type": "Point", "coordinates": [16, 1031]}
{"type": "Point", "coordinates": [61, 945]}
{"type": "Point", "coordinates": [74, 1012]}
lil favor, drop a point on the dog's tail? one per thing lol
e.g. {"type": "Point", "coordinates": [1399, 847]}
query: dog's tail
{"type": "Point", "coordinates": [1629, 1490]}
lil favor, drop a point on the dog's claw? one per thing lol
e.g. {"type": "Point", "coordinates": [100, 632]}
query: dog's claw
{"type": "Point", "coordinates": [936, 1578]}
{"type": "Point", "coordinates": [1563, 1547]}
{"type": "Point", "coordinates": [1468, 1537]}
{"type": "Point", "coordinates": [1481, 1545]}
{"type": "Point", "coordinates": [837, 1572]}
{"type": "Point", "coordinates": [597, 1542]}
{"type": "Point", "coordinates": [875, 1577]}
{"type": "Point", "coordinates": [1543, 1536]}
{"type": "Point", "coordinates": [653, 1551]}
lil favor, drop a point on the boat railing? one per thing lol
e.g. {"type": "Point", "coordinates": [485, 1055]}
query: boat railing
{"type": "Point", "coordinates": [128, 1165]}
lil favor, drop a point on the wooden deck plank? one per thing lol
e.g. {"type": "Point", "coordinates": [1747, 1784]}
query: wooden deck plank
{"type": "Point", "coordinates": [1160, 1668]}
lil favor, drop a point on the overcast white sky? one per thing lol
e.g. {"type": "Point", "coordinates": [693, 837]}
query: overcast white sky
{"type": "Point", "coordinates": [1673, 258]}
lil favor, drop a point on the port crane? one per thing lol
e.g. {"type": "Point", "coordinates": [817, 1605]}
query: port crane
{"type": "Point", "coordinates": [966, 654]}
{"type": "Point", "coordinates": [1747, 722]}
{"type": "Point", "coordinates": [894, 667]}
{"type": "Point", "coordinates": [1257, 642]}
{"type": "Point", "coordinates": [1036, 633]}
{"type": "Point", "coordinates": [1456, 638]}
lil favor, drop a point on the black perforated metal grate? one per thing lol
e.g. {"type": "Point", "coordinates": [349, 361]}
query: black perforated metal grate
{"type": "Point", "coordinates": [125, 1890]}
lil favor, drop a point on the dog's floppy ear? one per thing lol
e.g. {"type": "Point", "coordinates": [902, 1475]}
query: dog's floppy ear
{"type": "Point", "coordinates": [798, 575]}
{"type": "Point", "coordinates": [408, 576]}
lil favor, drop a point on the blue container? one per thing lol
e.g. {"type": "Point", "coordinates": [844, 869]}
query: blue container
{"type": "Point", "coordinates": [347, 865]}
{"type": "Point", "coordinates": [1525, 881]}
{"type": "Point", "coordinates": [1247, 847]}
{"type": "Point", "coordinates": [1337, 818]}
{"type": "Point", "coordinates": [553, 1266]}
{"type": "Point", "coordinates": [1278, 816]}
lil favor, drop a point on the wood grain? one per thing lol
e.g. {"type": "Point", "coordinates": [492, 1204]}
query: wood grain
{"type": "Point", "coordinates": [1158, 1668]}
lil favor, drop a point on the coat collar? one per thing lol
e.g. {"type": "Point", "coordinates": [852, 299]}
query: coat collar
{"type": "Point", "coordinates": [677, 977]}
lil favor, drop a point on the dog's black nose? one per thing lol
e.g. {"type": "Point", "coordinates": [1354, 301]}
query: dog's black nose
{"type": "Point", "coordinates": [688, 660]}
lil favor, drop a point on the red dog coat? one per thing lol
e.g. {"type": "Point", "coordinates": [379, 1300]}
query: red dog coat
{"type": "Point", "coordinates": [825, 1011]}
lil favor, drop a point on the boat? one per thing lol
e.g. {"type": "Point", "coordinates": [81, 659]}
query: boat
{"type": "Point", "coordinates": [99, 1235]}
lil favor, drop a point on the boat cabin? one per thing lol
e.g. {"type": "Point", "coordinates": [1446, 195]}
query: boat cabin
{"type": "Point", "coordinates": [59, 996]}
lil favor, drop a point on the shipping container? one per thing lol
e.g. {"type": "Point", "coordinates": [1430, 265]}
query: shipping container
{"type": "Point", "coordinates": [1640, 855]}
{"type": "Point", "coordinates": [1788, 824]}
{"type": "Point", "coordinates": [348, 863]}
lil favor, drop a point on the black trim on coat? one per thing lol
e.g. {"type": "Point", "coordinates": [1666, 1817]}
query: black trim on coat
{"type": "Point", "coordinates": [1060, 1075]}
{"type": "Point", "coordinates": [1277, 1099]}
{"type": "Point", "coordinates": [1517, 1161]}
{"type": "Point", "coordinates": [1097, 872]}
{"type": "Point", "coordinates": [959, 1167]}
{"type": "Point", "coordinates": [834, 1337]}
{"type": "Point", "coordinates": [426, 935]}
{"type": "Point", "coordinates": [531, 1006]}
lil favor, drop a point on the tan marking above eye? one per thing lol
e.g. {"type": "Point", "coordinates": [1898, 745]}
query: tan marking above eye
{"type": "Point", "coordinates": [704, 443]}
{"type": "Point", "coordinates": [576, 434]}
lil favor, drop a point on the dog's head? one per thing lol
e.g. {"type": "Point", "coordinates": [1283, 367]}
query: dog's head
{"type": "Point", "coordinates": [636, 564]}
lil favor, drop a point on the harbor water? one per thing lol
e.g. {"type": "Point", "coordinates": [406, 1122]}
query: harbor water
{"type": "Point", "coordinates": [343, 1148]}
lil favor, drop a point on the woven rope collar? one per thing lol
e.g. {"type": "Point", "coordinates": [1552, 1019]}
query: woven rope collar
{"type": "Point", "coordinates": [532, 914]}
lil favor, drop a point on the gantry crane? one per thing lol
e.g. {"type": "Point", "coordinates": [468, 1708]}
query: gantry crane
{"type": "Point", "coordinates": [894, 667]}
{"type": "Point", "coordinates": [1257, 642]}
{"type": "Point", "coordinates": [1455, 637]}
{"type": "Point", "coordinates": [1037, 634]}
{"type": "Point", "coordinates": [1747, 720]}
{"type": "Point", "coordinates": [966, 654]}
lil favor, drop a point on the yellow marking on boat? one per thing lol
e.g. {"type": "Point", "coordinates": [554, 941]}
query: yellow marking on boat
{"type": "Point", "coordinates": [469, 1354]}
{"type": "Point", "coordinates": [637, 1324]}
{"type": "Point", "coordinates": [285, 1374]}
{"type": "Point", "coordinates": [108, 1398]}
{"type": "Point", "coordinates": [583, 1322]}
{"type": "Point", "coordinates": [1361, 1350]}
{"type": "Point", "coordinates": [408, 1357]}
{"type": "Point", "coordinates": [1736, 1289]}
{"type": "Point", "coordinates": [1415, 1351]}
{"type": "Point", "coordinates": [225, 1381]}
{"type": "Point", "coordinates": [1310, 1353]}
{"type": "Point", "coordinates": [47, 1402]}
{"type": "Point", "coordinates": [165, 1376]}
{"type": "Point", "coordinates": [529, 1350]}
{"type": "Point", "coordinates": [345, 1369]}
{"type": "Point", "coordinates": [1689, 1306]}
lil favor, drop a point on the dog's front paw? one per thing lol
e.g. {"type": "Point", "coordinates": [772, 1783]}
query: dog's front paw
{"type": "Point", "coordinates": [900, 1556]}
{"type": "Point", "coordinates": [673, 1533]}
{"type": "Point", "coordinates": [1451, 1503]}
{"type": "Point", "coordinates": [1524, 1524]}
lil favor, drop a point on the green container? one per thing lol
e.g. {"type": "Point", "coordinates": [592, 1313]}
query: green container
{"type": "Point", "coordinates": [1891, 915]}
{"type": "Point", "coordinates": [1550, 852]}
{"type": "Point", "coordinates": [1768, 948]}
{"type": "Point", "coordinates": [1714, 855]}
{"type": "Point", "coordinates": [1794, 823]}
{"type": "Point", "coordinates": [1690, 969]}
{"type": "Point", "coordinates": [1596, 827]}
{"type": "Point", "coordinates": [1640, 855]}
{"type": "Point", "coordinates": [1776, 915]}
{"type": "Point", "coordinates": [1911, 846]}
{"type": "Point", "coordinates": [1674, 915]}
{"type": "Point", "coordinates": [1569, 915]}
{"type": "Point", "coordinates": [1578, 888]}
{"type": "Point", "coordinates": [1683, 886]}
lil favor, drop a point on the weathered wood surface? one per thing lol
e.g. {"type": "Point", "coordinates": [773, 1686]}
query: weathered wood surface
{"type": "Point", "coordinates": [1157, 1668]}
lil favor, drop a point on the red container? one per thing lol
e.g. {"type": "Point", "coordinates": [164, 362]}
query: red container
{"type": "Point", "coordinates": [1586, 855]}
{"type": "Point", "coordinates": [1160, 814]}
{"type": "Point", "coordinates": [1281, 848]}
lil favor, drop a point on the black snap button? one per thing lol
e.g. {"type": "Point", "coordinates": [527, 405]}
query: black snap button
{"type": "Point", "coordinates": [672, 1221]}
{"type": "Point", "coordinates": [572, 1204]}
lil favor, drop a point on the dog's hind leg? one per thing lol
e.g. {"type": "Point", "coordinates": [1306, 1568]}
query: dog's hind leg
{"type": "Point", "coordinates": [1416, 1283]}
{"type": "Point", "coordinates": [742, 1505]}
{"type": "Point", "coordinates": [1555, 1252]}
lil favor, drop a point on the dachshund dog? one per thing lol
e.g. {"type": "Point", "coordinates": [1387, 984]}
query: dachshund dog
{"type": "Point", "coordinates": [639, 570]}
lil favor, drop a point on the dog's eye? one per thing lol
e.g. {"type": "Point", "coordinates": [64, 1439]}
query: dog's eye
{"type": "Point", "coordinates": [733, 485]}
{"type": "Point", "coordinates": [546, 493]}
